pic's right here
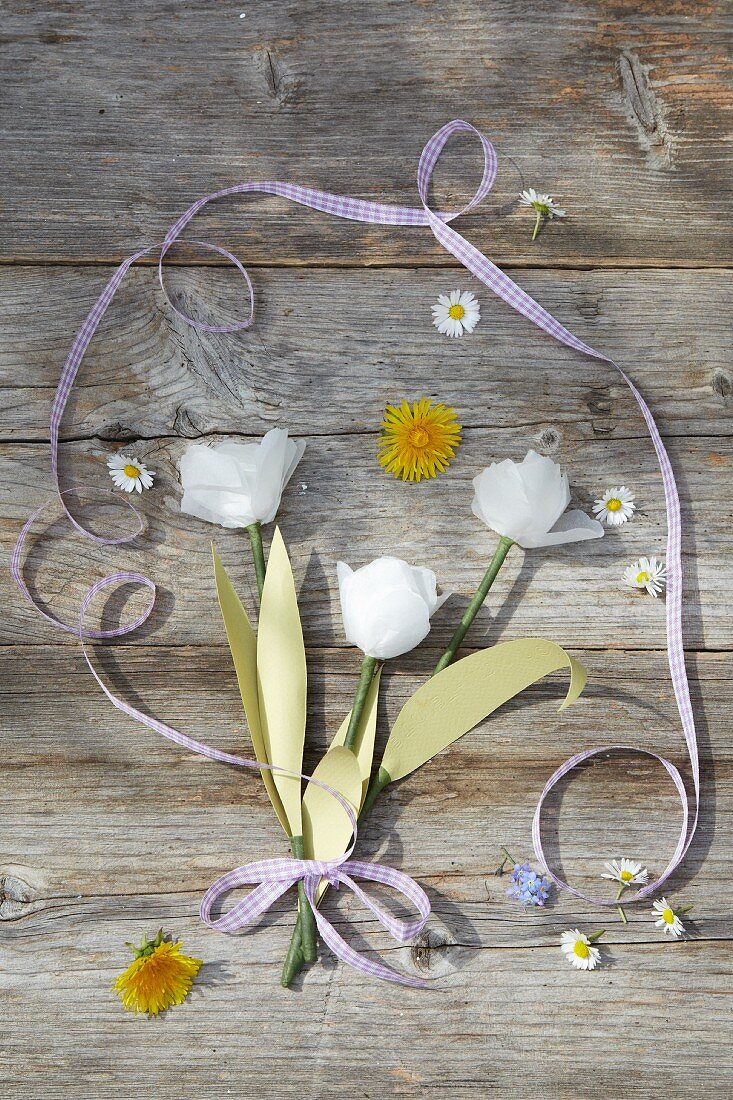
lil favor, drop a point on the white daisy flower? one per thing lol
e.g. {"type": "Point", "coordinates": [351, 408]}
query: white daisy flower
{"type": "Point", "coordinates": [646, 573]}
{"type": "Point", "coordinates": [543, 205]}
{"type": "Point", "coordinates": [456, 312]}
{"type": "Point", "coordinates": [626, 872]}
{"type": "Point", "coordinates": [579, 950]}
{"type": "Point", "coordinates": [668, 919]}
{"type": "Point", "coordinates": [129, 473]}
{"type": "Point", "coordinates": [615, 507]}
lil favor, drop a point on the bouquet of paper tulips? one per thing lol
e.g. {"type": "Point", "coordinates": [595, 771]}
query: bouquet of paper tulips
{"type": "Point", "coordinates": [387, 606]}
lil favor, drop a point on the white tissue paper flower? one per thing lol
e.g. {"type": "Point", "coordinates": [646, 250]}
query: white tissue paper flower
{"type": "Point", "coordinates": [238, 484]}
{"type": "Point", "coordinates": [526, 501]}
{"type": "Point", "coordinates": [386, 605]}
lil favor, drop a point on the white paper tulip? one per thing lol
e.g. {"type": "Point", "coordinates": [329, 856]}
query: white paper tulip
{"type": "Point", "coordinates": [238, 484]}
{"type": "Point", "coordinates": [386, 606]}
{"type": "Point", "coordinates": [526, 501]}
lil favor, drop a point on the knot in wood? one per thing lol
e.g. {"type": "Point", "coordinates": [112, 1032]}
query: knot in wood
{"type": "Point", "coordinates": [14, 897]}
{"type": "Point", "coordinates": [428, 948]}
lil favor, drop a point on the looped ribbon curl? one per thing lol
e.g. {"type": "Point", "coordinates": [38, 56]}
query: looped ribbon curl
{"type": "Point", "coordinates": [277, 875]}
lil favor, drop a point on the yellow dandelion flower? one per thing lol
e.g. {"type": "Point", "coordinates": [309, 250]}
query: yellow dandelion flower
{"type": "Point", "coordinates": [418, 441]}
{"type": "Point", "coordinates": [159, 976]}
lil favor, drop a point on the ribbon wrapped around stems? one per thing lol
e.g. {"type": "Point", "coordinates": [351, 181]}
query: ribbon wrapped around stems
{"type": "Point", "coordinates": [498, 283]}
{"type": "Point", "coordinates": [275, 876]}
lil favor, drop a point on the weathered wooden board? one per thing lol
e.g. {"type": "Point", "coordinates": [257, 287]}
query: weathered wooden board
{"type": "Point", "coordinates": [125, 829]}
{"type": "Point", "coordinates": [113, 123]}
{"type": "Point", "coordinates": [330, 347]}
{"type": "Point", "coordinates": [340, 505]}
{"type": "Point", "coordinates": [500, 1023]}
{"type": "Point", "coordinates": [91, 795]}
{"type": "Point", "coordinates": [114, 119]}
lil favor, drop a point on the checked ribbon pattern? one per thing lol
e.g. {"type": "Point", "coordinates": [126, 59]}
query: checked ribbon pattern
{"type": "Point", "coordinates": [271, 878]}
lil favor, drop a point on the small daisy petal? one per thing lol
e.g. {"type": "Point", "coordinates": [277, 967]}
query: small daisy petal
{"type": "Point", "coordinates": [626, 872]}
{"type": "Point", "coordinates": [579, 951]}
{"type": "Point", "coordinates": [457, 313]}
{"type": "Point", "coordinates": [129, 474]}
{"type": "Point", "coordinates": [542, 203]}
{"type": "Point", "coordinates": [667, 918]}
{"type": "Point", "coordinates": [646, 573]}
{"type": "Point", "coordinates": [615, 507]}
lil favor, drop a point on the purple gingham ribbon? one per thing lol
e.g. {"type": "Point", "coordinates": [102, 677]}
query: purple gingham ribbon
{"type": "Point", "coordinates": [500, 284]}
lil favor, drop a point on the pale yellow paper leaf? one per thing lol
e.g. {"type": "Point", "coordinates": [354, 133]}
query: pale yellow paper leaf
{"type": "Point", "coordinates": [464, 693]}
{"type": "Point", "coordinates": [326, 826]}
{"type": "Point", "coordinates": [243, 644]}
{"type": "Point", "coordinates": [282, 678]}
{"type": "Point", "coordinates": [365, 750]}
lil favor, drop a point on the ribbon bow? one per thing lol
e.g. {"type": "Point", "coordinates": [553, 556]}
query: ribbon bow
{"type": "Point", "coordinates": [274, 877]}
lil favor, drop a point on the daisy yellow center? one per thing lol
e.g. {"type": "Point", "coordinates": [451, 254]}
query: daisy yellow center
{"type": "Point", "coordinates": [581, 949]}
{"type": "Point", "coordinates": [626, 876]}
{"type": "Point", "coordinates": [668, 916]}
{"type": "Point", "coordinates": [613, 505]}
{"type": "Point", "coordinates": [130, 470]}
{"type": "Point", "coordinates": [418, 440]}
{"type": "Point", "coordinates": [456, 312]}
{"type": "Point", "coordinates": [643, 577]}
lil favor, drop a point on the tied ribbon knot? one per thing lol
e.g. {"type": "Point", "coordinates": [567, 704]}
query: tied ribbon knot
{"type": "Point", "coordinates": [272, 878]}
{"type": "Point", "coordinates": [277, 876]}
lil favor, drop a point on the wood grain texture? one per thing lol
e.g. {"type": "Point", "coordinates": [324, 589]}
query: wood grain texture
{"type": "Point", "coordinates": [330, 347]}
{"type": "Point", "coordinates": [264, 1043]}
{"type": "Point", "coordinates": [126, 831]}
{"type": "Point", "coordinates": [113, 119]}
{"type": "Point", "coordinates": [113, 125]}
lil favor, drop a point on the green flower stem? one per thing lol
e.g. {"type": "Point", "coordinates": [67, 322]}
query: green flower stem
{"type": "Point", "coordinates": [296, 955]}
{"type": "Point", "coordinates": [597, 935]}
{"type": "Point", "coordinates": [294, 960]}
{"type": "Point", "coordinates": [378, 782]}
{"type": "Point", "coordinates": [621, 912]}
{"type": "Point", "coordinates": [306, 919]}
{"type": "Point", "coordinates": [537, 224]}
{"type": "Point", "coordinates": [482, 591]}
{"type": "Point", "coordinates": [368, 668]}
{"type": "Point", "coordinates": [382, 778]}
{"type": "Point", "coordinates": [258, 554]}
